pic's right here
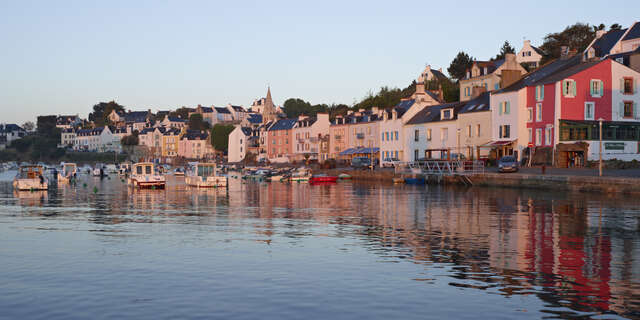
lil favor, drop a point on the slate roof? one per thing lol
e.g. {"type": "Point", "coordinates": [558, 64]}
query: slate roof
{"type": "Point", "coordinates": [254, 118]}
{"type": "Point", "coordinates": [172, 132]}
{"type": "Point", "coordinates": [90, 132]}
{"type": "Point", "coordinates": [147, 130]}
{"type": "Point", "coordinates": [206, 109]}
{"type": "Point", "coordinates": [11, 127]}
{"type": "Point", "coordinates": [432, 113]}
{"type": "Point", "coordinates": [438, 74]}
{"type": "Point", "coordinates": [538, 50]}
{"type": "Point", "coordinates": [246, 130]}
{"type": "Point", "coordinates": [237, 108]}
{"type": "Point", "coordinates": [480, 103]}
{"type": "Point", "coordinates": [564, 73]}
{"type": "Point", "coordinates": [433, 95]}
{"type": "Point", "coordinates": [195, 135]}
{"type": "Point", "coordinates": [541, 73]}
{"type": "Point", "coordinates": [633, 33]}
{"type": "Point", "coordinates": [401, 107]}
{"type": "Point", "coordinates": [176, 119]}
{"type": "Point", "coordinates": [222, 110]}
{"type": "Point", "coordinates": [136, 116]}
{"type": "Point", "coordinates": [284, 124]}
{"type": "Point", "coordinates": [604, 44]}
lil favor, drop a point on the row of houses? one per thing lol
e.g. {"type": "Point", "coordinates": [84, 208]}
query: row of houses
{"type": "Point", "coordinates": [551, 114]}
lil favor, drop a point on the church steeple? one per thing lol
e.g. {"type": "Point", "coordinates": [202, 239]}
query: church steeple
{"type": "Point", "coordinates": [269, 111]}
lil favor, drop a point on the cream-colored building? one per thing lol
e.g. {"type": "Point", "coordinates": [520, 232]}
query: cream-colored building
{"type": "Point", "coordinates": [490, 75]}
{"type": "Point", "coordinates": [474, 127]}
{"type": "Point", "coordinates": [529, 55]}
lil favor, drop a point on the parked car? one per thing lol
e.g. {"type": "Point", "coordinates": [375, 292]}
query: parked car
{"type": "Point", "coordinates": [390, 162]}
{"type": "Point", "coordinates": [508, 164]}
{"type": "Point", "coordinates": [360, 162]}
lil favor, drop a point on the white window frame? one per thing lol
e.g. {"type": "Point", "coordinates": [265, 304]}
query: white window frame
{"type": "Point", "coordinates": [600, 84]}
{"type": "Point", "coordinates": [593, 110]}
{"type": "Point", "coordinates": [477, 130]}
{"type": "Point", "coordinates": [547, 136]}
{"type": "Point", "coordinates": [538, 136]}
{"type": "Point", "coordinates": [428, 134]}
{"type": "Point", "coordinates": [570, 93]}
{"type": "Point", "coordinates": [469, 131]}
{"type": "Point", "coordinates": [538, 112]}
{"type": "Point", "coordinates": [530, 135]}
{"type": "Point", "coordinates": [529, 114]}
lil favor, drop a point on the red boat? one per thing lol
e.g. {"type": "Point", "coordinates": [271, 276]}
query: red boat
{"type": "Point", "coordinates": [322, 178]}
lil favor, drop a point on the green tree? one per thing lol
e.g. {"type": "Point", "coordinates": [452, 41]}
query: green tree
{"type": "Point", "coordinates": [182, 113]}
{"type": "Point", "coordinates": [47, 127]}
{"type": "Point", "coordinates": [506, 48]}
{"type": "Point", "coordinates": [458, 67]}
{"type": "Point", "coordinates": [220, 136]}
{"type": "Point", "coordinates": [102, 110]}
{"type": "Point", "coordinates": [130, 140]}
{"type": "Point", "coordinates": [197, 123]}
{"type": "Point", "coordinates": [29, 126]}
{"type": "Point", "coordinates": [615, 26]}
{"type": "Point", "coordinates": [295, 107]}
{"type": "Point", "coordinates": [599, 27]}
{"type": "Point", "coordinates": [577, 36]}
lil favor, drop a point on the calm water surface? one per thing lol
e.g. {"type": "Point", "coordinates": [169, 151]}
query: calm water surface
{"type": "Point", "coordinates": [342, 251]}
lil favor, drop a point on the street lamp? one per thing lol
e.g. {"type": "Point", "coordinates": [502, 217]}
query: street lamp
{"type": "Point", "coordinates": [600, 149]}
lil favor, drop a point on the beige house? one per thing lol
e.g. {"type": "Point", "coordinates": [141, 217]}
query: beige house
{"type": "Point", "coordinates": [474, 127]}
{"type": "Point", "coordinates": [529, 55]}
{"type": "Point", "coordinates": [490, 75]}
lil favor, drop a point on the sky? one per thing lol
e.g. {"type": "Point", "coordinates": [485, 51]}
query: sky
{"type": "Point", "coordinates": [62, 57]}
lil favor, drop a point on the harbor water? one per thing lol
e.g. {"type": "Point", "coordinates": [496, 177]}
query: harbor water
{"type": "Point", "coordinates": [101, 250]}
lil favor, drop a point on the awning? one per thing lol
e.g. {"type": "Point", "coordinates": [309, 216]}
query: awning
{"type": "Point", "coordinates": [359, 151]}
{"type": "Point", "coordinates": [498, 143]}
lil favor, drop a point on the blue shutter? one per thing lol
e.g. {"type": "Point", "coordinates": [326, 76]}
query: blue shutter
{"type": "Point", "coordinates": [508, 107]}
{"type": "Point", "coordinates": [591, 88]}
{"type": "Point", "coordinates": [537, 93]}
{"type": "Point", "coordinates": [573, 88]}
{"type": "Point", "coordinates": [541, 92]}
{"type": "Point", "coordinates": [601, 89]}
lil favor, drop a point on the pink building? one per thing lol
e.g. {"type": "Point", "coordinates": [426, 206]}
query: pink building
{"type": "Point", "coordinates": [195, 145]}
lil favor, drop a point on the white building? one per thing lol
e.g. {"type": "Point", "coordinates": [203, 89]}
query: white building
{"type": "Point", "coordinates": [432, 132]}
{"type": "Point", "coordinates": [11, 132]}
{"type": "Point", "coordinates": [308, 133]}
{"type": "Point", "coordinates": [238, 141]}
{"type": "Point", "coordinates": [96, 140]}
{"type": "Point", "coordinates": [474, 127]}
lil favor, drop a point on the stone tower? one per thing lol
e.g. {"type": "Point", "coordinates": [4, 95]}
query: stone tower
{"type": "Point", "coordinates": [269, 111]}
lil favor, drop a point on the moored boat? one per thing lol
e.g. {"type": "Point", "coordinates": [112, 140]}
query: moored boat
{"type": "Point", "coordinates": [344, 176]}
{"type": "Point", "coordinates": [144, 175]}
{"type": "Point", "coordinates": [204, 175]}
{"type": "Point", "coordinates": [30, 177]}
{"type": "Point", "coordinates": [322, 178]}
{"type": "Point", "coordinates": [68, 172]}
{"type": "Point", "coordinates": [302, 174]}
{"type": "Point", "coordinates": [416, 180]}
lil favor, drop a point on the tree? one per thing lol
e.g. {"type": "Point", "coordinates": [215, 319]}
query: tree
{"type": "Point", "coordinates": [220, 136]}
{"type": "Point", "coordinates": [506, 48]}
{"type": "Point", "coordinates": [102, 110]}
{"type": "Point", "coordinates": [615, 26]}
{"type": "Point", "coordinates": [28, 126]}
{"type": "Point", "coordinates": [599, 27]}
{"type": "Point", "coordinates": [295, 107]}
{"type": "Point", "coordinates": [196, 123]}
{"type": "Point", "coordinates": [47, 126]}
{"type": "Point", "coordinates": [577, 36]}
{"type": "Point", "coordinates": [458, 67]}
{"type": "Point", "coordinates": [130, 140]}
{"type": "Point", "coordinates": [182, 113]}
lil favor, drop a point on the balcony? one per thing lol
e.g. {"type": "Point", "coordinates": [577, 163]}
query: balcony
{"type": "Point", "coordinates": [359, 135]}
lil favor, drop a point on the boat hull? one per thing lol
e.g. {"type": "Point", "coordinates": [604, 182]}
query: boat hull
{"type": "Point", "coordinates": [327, 179]}
{"type": "Point", "coordinates": [147, 184]}
{"type": "Point", "coordinates": [415, 181]}
{"type": "Point", "coordinates": [210, 182]}
{"type": "Point", "coordinates": [29, 184]}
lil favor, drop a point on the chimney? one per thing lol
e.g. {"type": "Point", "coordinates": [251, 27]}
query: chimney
{"type": "Point", "coordinates": [526, 43]}
{"type": "Point", "coordinates": [509, 77]}
{"type": "Point", "coordinates": [564, 52]}
{"type": "Point", "coordinates": [511, 57]}
{"type": "Point", "coordinates": [394, 114]}
{"type": "Point", "coordinates": [476, 91]}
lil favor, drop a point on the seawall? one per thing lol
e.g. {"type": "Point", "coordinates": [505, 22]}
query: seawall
{"type": "Point", "coordinates": [602, 185]}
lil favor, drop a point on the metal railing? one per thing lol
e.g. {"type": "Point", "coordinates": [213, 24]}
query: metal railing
{"type": "Point", "coordinates": [440, 167]}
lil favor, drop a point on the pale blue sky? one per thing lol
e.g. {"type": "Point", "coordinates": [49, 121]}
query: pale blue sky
{"type": "Point", "coordinates": [62, 57]}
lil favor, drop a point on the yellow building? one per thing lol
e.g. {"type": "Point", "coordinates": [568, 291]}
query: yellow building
{"type": "Point", "coordinates": [170, 139]}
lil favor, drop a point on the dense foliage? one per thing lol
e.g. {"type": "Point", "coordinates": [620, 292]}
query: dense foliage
{"type": "Point", "coordinates": [294, 107]}
{"type": "Point", "coordinates": [506, 48]}
{"type": "Point", "coordinates": [220, 136]}
{"type": "Point", "coordinates": [459, 65]}
{"type": "Point", "coordinates": [102, 110]}
{"type": "Point", "coordinates": [197, 123]}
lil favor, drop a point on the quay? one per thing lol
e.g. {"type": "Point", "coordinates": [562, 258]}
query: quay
{"type": "Point", "coordinates": [563, 181]}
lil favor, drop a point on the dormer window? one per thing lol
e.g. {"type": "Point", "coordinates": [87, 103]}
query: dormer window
{"type": "Point", "coordinates": [447, 114]}
{"type": "Point", "coordinates": [485, 70]}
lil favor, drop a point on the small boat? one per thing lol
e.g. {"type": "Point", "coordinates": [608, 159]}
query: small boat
{"type": "Point", "coordinates": [124, 169]}
{"type": "Point", "coordinates": [344, 176]}
{"type": "Point", "coordinates": [30, 177]}
{"type": "Point", "coordinates": [144, 175]}
{"type": "Point", "coordinates": [111, 168]}
{"type": "Point", "coordinates": [98, 171]}
{"type": "Point", "coordinates": [415, 180]}
{"type": "Point", "coordinates": [204, 175]}
{"type": "Point", "coordinates": [68, 173]}
{"type": "Point", "coordinates": [397, 180]}
{"type": "Point", "coordinates": [302, 174]}
{"type": "Point", "coordinates": [323, 178]}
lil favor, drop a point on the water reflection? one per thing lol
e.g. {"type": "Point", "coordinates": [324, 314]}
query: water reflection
{"type": "Point", "coordinates": [577, 254]}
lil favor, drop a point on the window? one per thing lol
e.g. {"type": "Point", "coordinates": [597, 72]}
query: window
{"type": "Point", "coordinates": [538, 137]}
{"type": "Point", "coordinates": [539, 93]}
{"type": "Point", "coordinates": [416, 154]}
{"type": "Point", "coordinates": [504, 108]}
{"type": "Point", "coordinates": [447, 114]}
{"type": "Point", "coordinates": [397, 155]}
{"type": "Point", "coordinates": [469, 131]}
{"type": "Point", "coordinates": [428, 135]}
{"type": "Point", "coordinates": [569, 88]}
{"type": "Point", "coordinates": [538, 112]}
{"type": "Point", "coordinates": [382, 136]}
{"type": "Point", "coordinates": [627, 109]}
{"type": "Point", "coordinates": [386, 135]}
{"type": "Point", "coordinates": [529, 114]}
{"type": "Point", "coordinates": [627, 86]}
{"type": "Point", "coordinates": [497, 86]}
{"type": "Point", "coordinates": [589, 108]}
{"type": "Point", "coordinates": [444, 134]}
{"type": "Point", "coordinates": [504, 131]}
{"type": "Point", "coordinates": [416, 134]}
{"type": "Point", "coordinates": [529, 134]}
{"type": "Point", "coordinates": [396, 134]}
{"type": "Point", "coordinates": [596, 88]}
{"type": "Point", "coordinates": [547, 136]}
{"type": "Point", "coordinates": [477, 130]}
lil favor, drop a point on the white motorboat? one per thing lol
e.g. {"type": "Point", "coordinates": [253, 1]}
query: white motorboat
{"type": "Point", "coordinates": [204, 175]}
{"type": "Point", "coordinates": [124, 169]}
{"type": "Point", "coordinates": [302, 174]}
{"type": "Point", "coordinates": [30, 177]}
{"type": "Point", "coordinates": [68, 172]}
{"type": "Point", "coordinates": [144, 175]}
